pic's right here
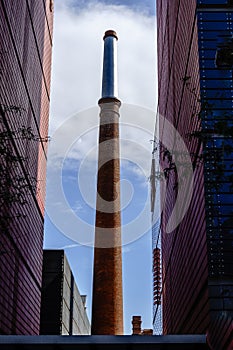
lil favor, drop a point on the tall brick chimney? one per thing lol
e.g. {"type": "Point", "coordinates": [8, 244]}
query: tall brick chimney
{"type": "Point", "coordinates": [137, 329]}
{"type": "Point", "coordinates": [136, 323]}
{"type": "Point", "coordinates": [107, 300]}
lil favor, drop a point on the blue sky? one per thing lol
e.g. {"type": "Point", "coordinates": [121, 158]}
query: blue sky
{"type": "Point", "coordinates": [76, 86]}
{"type": "Point", "coordinates": [146, 5]}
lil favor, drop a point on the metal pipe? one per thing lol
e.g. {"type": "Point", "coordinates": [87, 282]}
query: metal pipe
{"type": "Point", "coordinates": [109, 81]}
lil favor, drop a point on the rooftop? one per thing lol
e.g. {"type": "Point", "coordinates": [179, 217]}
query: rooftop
{"type": "Point", "coordinates": [96, 342]}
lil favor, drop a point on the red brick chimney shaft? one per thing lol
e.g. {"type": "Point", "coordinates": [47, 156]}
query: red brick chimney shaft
{"type": "Point", "coordinates": [107, 303]}
{"type": "Point", "coordinates": [136, 323]}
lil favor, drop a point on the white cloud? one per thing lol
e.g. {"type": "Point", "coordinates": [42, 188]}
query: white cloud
{"type": "Point", "coordinates": [78, 51]}
{"type": "Point", "coordinates": [69, 246]}
{"type": "Point", "coordinates": [76, 82]}
{"type": "Point", "coordinates": [76, 86]}
{"type": "Point", "coordinates": [78, 206]}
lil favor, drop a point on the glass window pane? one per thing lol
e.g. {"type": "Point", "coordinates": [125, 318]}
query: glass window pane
{"type": "Point", "coordinates": [216, 73]}
{"type": "Point", "coordinates": [212, 2]}
{"type": "Point", "coordinates": [208, 44]}
{"type": "Point", "coordinates": [215, 16]}
{"type": "Point", "coordinates": [217, 83]}
{"type": "Point", "coordinates": [216, 93]}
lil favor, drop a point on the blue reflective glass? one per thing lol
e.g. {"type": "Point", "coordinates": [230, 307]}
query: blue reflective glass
{"type": "Point", "coordinates": [226, 198]}
{"type": "Point", "coordinates": [222, 114]}
{"type": "Point", "coordinates": [207, 64]}
{"type": "Point", "coordinates": [208, 44]}
{"type": "Point", "coordinates": [215, 93]}
{"type": "Point", "coordinates": [217, 83]}
{"type": "Point", "coordinates": [208, 123]}
{"type": "Point", "coordinates": [208, 54]}
{"type": "Point", "coordinates": [226, 222]}
{"type": "Point", "coordinates": [226, 187]}
{"type": "Point", "coordinates": [218, 34]}
{"type": "Point", "coordinates": [212, 2]}
{"type": "Point", "coordinates": [218, 103]}
{"type": "Point", "coordinates": [228, 165]}
{"type": "Point", "coordinates": [229, 188]}
{"type": "Point", "coordinates": [211, 167]}
{"type": "Point", "coordinates": [215, 73]}
{"type": "Point", "coordinates": [228, 141]}
{"type": "Point", "coordinates": [215, 31]}
{"type": "Point", "coordinates": [219, 210]}
{"type": "Point", "coordinates": [228, 156]}
{"type": "Point", "coordinates": [221, 25]}
{"type": "Point", "coordinates": [215, 16]}
{"type": "Point", "coordinates": [225, 209]}
{"type": "Point", "coordinates": [224, 148]}
{"type": "Point", "coordinates": [218, 143]}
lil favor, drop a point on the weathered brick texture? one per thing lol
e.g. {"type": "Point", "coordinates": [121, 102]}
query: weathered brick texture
{"type": "Point", "coordinates": [107, 306]}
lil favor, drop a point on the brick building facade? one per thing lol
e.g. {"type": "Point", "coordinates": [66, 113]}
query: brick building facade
{"type": "Point", "coordinates": [26, 29]}
{"type": "Point", "coordinates": [195, 96]}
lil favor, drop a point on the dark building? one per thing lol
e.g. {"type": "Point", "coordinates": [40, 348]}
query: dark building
{"type": "Point", "coordinates": [96, 342]}
{"type": "Point", "coordinates": [25, 62]}
{"type": "Point", "coordinates": [196, 97]}
{"type": "Point", "coordinates": [63, 309]}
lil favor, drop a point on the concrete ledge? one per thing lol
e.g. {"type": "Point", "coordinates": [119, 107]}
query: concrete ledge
{"type": "Point", "coordinates": [127, 342]}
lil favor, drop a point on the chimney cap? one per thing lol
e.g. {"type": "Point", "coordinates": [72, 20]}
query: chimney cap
{"type": "Point", "coordinates": [110, 33]}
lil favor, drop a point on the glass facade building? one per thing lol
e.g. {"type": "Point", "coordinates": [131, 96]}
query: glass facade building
{"type": "Point", "coordinates": [195, 67]}
{"type": "Point", "coordinates": [25, 63]}
{"type": "Point", "coordinates": [216, 90]}
{"type": "Point", "coordinates": [215, 37]}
